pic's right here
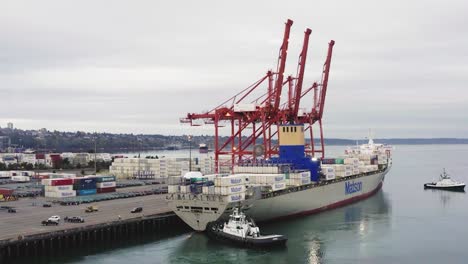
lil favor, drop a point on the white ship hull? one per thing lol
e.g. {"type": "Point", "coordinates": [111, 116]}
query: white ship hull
{"type": "Point", "coordinates": [199, 210]}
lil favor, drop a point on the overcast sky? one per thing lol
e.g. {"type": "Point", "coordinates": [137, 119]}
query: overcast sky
{"type": "Point", "coordinates": [399, 67]}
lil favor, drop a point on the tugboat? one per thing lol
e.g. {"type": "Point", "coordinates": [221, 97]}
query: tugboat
{"type": "Point", "coordinates": [446, 183]}
{"type": "Point", "coordinates": [242, 231]}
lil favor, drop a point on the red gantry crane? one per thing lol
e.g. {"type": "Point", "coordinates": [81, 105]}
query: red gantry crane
{"type": "Point", "coordinates": [254, 120]}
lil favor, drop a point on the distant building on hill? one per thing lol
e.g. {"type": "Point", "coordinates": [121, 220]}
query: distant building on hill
{"type": "Point", "coordinates": [4, 143]}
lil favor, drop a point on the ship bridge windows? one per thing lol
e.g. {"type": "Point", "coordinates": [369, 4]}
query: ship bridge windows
{"type": "Point", "coordinates": [197, 209]}
{"type": "Point", "coordinates": [292, 129]}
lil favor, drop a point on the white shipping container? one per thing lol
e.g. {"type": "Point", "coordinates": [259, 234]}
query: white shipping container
{"type": "Point", "coordinates": [351, 161]}
{"type": "Point", "coordinates": [328, 169]}
{"type": "Point", "coordinates": [60, 194]}
{"type": "Point", "coordinates": [105, 184]}
{"type": "Point", "coordinates": [343, 173]}
{"type": "Point", "coordinates": [363, 169]}
{"type": "Point", "coordinates": [305, 174]}
{"type": "Point", "coordinates": [330, 176]}
{"type": "Point", "coordinates": [232, 189]}
{"type": "Point", "coordinates": [211, 190]}
{"type": "Point", "coordinates": [234, 197]}
{"type": "Point", "coordinates": [173, 188]}
{"type": "Point", "coordinates": [297, 182]}
{"type": "Point", "coordinates": [185, 188]}
{"type": "Point", "coordinates": [230, 180]}
{"type": "Point", "coordinates": [300, 175]}
{"type": "Point", "coordinates": [58, 188]}
{"type": "Point", "coordinates": [341, 167]}
{"type": "Point", "coordinates": [276, 178]}
{"type": "Point", "coordinates": [278, 186]}
{"type": "Point", "coordinates": [20, 178]}
{"type": "Point", "coordinates": [62, 175]}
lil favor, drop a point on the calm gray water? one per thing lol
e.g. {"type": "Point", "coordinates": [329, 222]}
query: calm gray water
{"type": "Point", "coordinates": [403, 223]}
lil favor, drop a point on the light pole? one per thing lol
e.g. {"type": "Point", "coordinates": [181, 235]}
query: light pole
{"type": "Point", "coordinates": [190, 152]}
{"type": "Point", "coordinates": [138, 146]}
{"type": "Point", "coordinates": [95, 149]}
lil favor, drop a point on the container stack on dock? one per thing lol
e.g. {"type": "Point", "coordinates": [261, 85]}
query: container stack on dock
{"type": "Point", "coordinates": [20, 178]}
{"type": "Point", "coordinates": [164, 167]}
{"type": "Point", "coordinates": [84, 186]}
{"type": "Point", "coordinates": [58, 188]}
{"type": "Point", "coordinates": [105, 184]}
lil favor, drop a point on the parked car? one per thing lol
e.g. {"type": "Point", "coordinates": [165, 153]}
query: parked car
{"type": "Point", "coordinates": [74, 219]}
{"type": "Point", "coordinates": [12, 210]}
{"type": "Point", "coordinates": [54, 218]}
{"type": "Point", "coordinates": [137, 210]}
{"type": "Point", "coordinates": [47, 205]}
{"type": "Point", "coordinates": [48, 222]}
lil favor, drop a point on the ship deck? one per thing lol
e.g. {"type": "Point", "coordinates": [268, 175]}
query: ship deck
{"type": "Point", "coordinates": [290, 189]}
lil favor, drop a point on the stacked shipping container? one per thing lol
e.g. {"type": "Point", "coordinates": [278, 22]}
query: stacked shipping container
{"type": "Point", "coordinates": [84, 185]}
{"type": "Point", "coordinates": [58, 188]}
{"type": "Point", "coordinates": [164, 167]}
{"type": "Point", "coordinates": [105, 184]}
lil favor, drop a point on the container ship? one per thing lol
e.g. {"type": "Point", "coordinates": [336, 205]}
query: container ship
{"type": "Point", "coordinates": [292, 184]}
{"type": "Point", "coordinates": [272, 174]}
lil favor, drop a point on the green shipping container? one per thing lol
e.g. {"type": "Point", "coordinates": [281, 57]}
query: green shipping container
{"type": "Point", "coordinates": [105, 178]}
{"type": "Point", "coordinates": [339, 161]}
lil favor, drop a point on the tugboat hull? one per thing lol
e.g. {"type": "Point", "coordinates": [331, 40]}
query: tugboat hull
{"type": "Point", "coordinates": [262, 241]}
{"type": "Point", "coordinates": [455, 188]}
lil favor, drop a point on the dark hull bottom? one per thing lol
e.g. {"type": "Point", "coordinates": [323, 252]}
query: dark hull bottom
{"type": "Point", "coordinates": [453, 189]}
{"type": "Point", "coordinates": [245, 242]}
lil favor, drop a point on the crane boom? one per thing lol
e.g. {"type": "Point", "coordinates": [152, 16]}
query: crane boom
{"type": "Point", "coordinates": [282, 64]}
{"type": "Point", "coordinates": [325, 74]}
{"type": "Point", "coordinates": [300, 74]}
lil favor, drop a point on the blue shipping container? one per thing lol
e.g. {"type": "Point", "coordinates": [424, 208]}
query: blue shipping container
{"type": "Point", "coordinates": [86, 192]}
{"type": "Point", "coordinates": [84, 184]}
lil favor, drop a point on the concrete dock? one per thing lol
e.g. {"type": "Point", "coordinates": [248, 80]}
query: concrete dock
{"type": "Point", "coordinates": [22, 234]}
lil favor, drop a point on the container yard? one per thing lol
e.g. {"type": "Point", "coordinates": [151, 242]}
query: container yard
{"type": "Point", "coordinates": [22, 234]}
{"type": "Point", "coordinates": [143, 168]}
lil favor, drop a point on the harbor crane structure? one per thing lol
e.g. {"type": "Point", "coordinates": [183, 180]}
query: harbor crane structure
{"type": "Point", "coordinates": [254, 119]}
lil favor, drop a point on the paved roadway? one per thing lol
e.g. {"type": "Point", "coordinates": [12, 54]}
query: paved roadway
{"type": "Point", "coordinates": [28, 218]}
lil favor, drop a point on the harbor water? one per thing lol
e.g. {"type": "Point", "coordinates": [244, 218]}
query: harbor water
{"type": "Point", "coordinates": [402, 223]}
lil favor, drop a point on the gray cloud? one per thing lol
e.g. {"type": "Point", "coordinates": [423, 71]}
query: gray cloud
{"type": "Point", "coordinates": [398, 67]}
